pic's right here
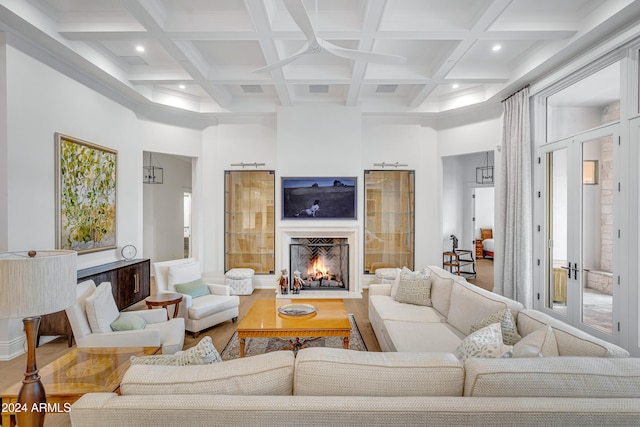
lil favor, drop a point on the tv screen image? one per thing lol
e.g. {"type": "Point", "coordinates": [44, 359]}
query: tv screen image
{"type": "Point", "coordinates": [319, 198]}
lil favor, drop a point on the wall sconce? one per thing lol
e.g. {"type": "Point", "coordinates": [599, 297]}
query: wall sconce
{"type": "Point", "coordinates": [395, 165]}
{"type": "Point", "coordinates": [152, 174]}
{"type": "Point", "coordinates": [590, 172]}
{"type": "Point", "coordinates": [243, 164]}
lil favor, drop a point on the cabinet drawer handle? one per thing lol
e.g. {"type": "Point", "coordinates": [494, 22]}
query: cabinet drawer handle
{"type": "Point", "coordinates": [136, 288]}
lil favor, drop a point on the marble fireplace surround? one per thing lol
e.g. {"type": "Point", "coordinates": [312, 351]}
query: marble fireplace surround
{"type": "Point", "coordinates": [349, 233]}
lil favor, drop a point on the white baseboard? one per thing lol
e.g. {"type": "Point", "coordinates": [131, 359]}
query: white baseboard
{"type": "Point", "coordinates": [12, 349]}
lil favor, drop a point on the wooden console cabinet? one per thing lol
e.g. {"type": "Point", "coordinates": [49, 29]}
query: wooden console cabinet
{"type": "Point", "coordinates": [130, 283]}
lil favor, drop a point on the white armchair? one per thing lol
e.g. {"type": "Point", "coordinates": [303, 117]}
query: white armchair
{"type": "Point", "coordinates": [201, 312]}
{"type": "Point", "coordinates": [158, 332]}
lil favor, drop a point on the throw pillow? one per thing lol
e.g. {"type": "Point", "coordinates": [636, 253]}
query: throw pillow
{"type": "Point", "coordinates": [507, 322]}
{"type": "Point", "coordinates": [128, 322]}
{"type": "Point", "coordinates": [396, 283]}
{"type": "Point", "coordinates": [539, 343]}
{"type": "Point", "coordinates": [101, 309]}
{"type": "Point", "coordinates": [183, 274]}
{"type": "Point", "coordinates": [486, 342]}
{"type": "Point", "coordinates": [203, 353]}
{"type": "Point", "coordinates": [414, 288]}
{"type": "Point", "coordinates": [196, 288]}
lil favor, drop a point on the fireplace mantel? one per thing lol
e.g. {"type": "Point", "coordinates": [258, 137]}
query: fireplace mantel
{"type": "Point", "coordinates": [352, 234]}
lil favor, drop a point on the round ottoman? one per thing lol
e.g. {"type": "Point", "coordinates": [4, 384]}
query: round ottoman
{"type": "Point", "coordinates": [240, 280]}
{"type": "Point", "coordinates": [386, 275]}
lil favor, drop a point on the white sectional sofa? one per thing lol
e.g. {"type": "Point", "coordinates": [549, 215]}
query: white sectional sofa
{"type": "Point", "coordinates": [416, 380]}
{"type": "Point", "coordinates": [457, 305]}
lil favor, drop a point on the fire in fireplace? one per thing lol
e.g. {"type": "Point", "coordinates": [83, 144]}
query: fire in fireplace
{"type": "Point", "coordinates": [321, 263]}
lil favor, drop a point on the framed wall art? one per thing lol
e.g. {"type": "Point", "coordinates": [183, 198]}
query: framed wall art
{"type": "Point", "coordinates": [85, 195]}
{"type": "Point", "coordinates": [319, 198]}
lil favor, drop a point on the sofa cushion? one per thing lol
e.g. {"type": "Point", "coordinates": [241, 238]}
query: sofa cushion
{"type": "Point", "coordinates": [510, 334]}
{"type": "Point", "coordinates": [596, 377]}
{"type": "Point", "coordinates": [441, 284]}
{"type": "Point", "coordinates": [264, 374]}
{"type": "Point", "coordinates": [541, 343]}
{"type": "Point", "coordinates": [414, 288]}
{"type": "Point", "coordinates": [202, 353]}
{"type": "Point", "coordinates": [485, 342]}
{"type": "Point", "coordinates": [390, 309]}
{"type": "Point", "coordinates": [323, 371]}
{"type": "Point", "coordinates": [412, 336]}
{"type": "Point", "coordinates": [571, 340]}
{"type": "Point", "coordinates": [101, 309]}
{"type": "Point", "coordinates": [471, 304]}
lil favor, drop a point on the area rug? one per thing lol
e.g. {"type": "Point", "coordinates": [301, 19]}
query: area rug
{"type": "Point", "coordinates": [255, 346]}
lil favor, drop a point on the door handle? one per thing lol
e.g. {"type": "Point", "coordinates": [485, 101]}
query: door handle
{"type": "Point", "coordinates": [570, 269]}
{"type": "Point", "coordinates": [575, 270]}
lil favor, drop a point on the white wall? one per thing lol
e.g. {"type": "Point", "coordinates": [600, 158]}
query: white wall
{"type": "Point", "coordinates": [40, 102]}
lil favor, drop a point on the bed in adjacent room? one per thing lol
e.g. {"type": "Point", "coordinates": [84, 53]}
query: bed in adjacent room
{"type": "Point", "coordinates": [486, 234]}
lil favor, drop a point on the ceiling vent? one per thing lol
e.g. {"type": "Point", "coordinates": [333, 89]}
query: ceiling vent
{"type": "Point", "coordinates": [134, 60]}
{"type": "Point", "coordinates": [251, 88]}
{"type": "Point", "coordinates": [318, 88]}
{"type": "Point", "coordinates": [386, 88]}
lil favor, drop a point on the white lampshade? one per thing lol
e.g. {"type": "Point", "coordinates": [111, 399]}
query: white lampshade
{"type": "Point", "coordinates": [33, 286]}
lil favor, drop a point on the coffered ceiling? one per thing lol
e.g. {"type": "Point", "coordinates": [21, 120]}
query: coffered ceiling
{"type": "Point", "coordinates": [197, 57]}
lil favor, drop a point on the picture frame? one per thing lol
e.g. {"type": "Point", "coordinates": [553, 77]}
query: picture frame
{"type": "Point", "coordinates": [311, 198]}
{"type": "Point", "coordinates": [86, 195]}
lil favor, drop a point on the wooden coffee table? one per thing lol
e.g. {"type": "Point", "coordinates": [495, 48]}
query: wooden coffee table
{"type": "Point", "coordinates": [264, 321]}
{"type": "Point", "coordinates": [80, 371]}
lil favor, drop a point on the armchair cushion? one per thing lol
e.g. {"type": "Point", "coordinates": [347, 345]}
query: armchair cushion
{"type": "Point", "coordinates": [183, 274]}
{"type": "Point", "coordinates": [207, 305]}
{"type": "Point", "coordinates": [101, 309]}
{"type": "Point", "coordinates": [195, 288]}
{"type": "Point", "coordinates": [128, 322]}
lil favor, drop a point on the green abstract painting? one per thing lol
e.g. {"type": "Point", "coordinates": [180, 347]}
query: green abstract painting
{"type": "Point", "coordinates": [86, 193]}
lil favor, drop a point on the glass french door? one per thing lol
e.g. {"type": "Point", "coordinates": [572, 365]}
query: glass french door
{"type": "Point", "coordinates": [581, 242]}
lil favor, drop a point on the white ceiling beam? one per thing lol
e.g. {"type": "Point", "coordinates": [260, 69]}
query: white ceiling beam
{"type": "Point", "coordinates": [150, 16]}
{"type": "Point", "coordinates": [260, 19]}
{"type": "Point", "coordinates": [482, 24]}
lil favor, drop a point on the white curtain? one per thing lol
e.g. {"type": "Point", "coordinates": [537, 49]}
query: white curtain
{"type": "Point", "coordinates": [514, 239]}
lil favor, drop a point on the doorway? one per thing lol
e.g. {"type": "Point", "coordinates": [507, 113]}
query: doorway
{"type": "Point", "coordinates": [468, 206]}
{"type": "Point", "coordinates": [579, 260]}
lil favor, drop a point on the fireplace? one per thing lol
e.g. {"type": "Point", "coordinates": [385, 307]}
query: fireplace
{"type": "Point", "coordinates": [321, 262]}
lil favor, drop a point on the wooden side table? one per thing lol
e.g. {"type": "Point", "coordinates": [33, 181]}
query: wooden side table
{"type": "Point", "coordinates": [164, 300]}
{"type": "Point", "coordinates": [478, 248]}
{"type": "Point", "coordinates": [80, 371]}
{"type": "Point", "coordinates": [456, 260]}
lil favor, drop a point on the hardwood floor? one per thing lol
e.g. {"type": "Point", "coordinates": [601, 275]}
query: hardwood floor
{"type": "Point", "coordinates": [12, 371]}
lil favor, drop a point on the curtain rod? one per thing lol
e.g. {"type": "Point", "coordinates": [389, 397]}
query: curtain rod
{"type": "Point", "coordinates": [519, 90]}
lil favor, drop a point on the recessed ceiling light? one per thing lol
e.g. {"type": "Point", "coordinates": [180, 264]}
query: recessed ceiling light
{"type": "Point", "coordinates": [496, 47]}
{"type": "Point", "coordinates": [140, 48]}
{"type": "Point", "coordinates": [455, 85]}
{"type": "Point", "coordinates": [182, 86]}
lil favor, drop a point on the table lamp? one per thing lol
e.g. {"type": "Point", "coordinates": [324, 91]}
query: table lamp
{"type": "Point", "coordinates": [32, 284]}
